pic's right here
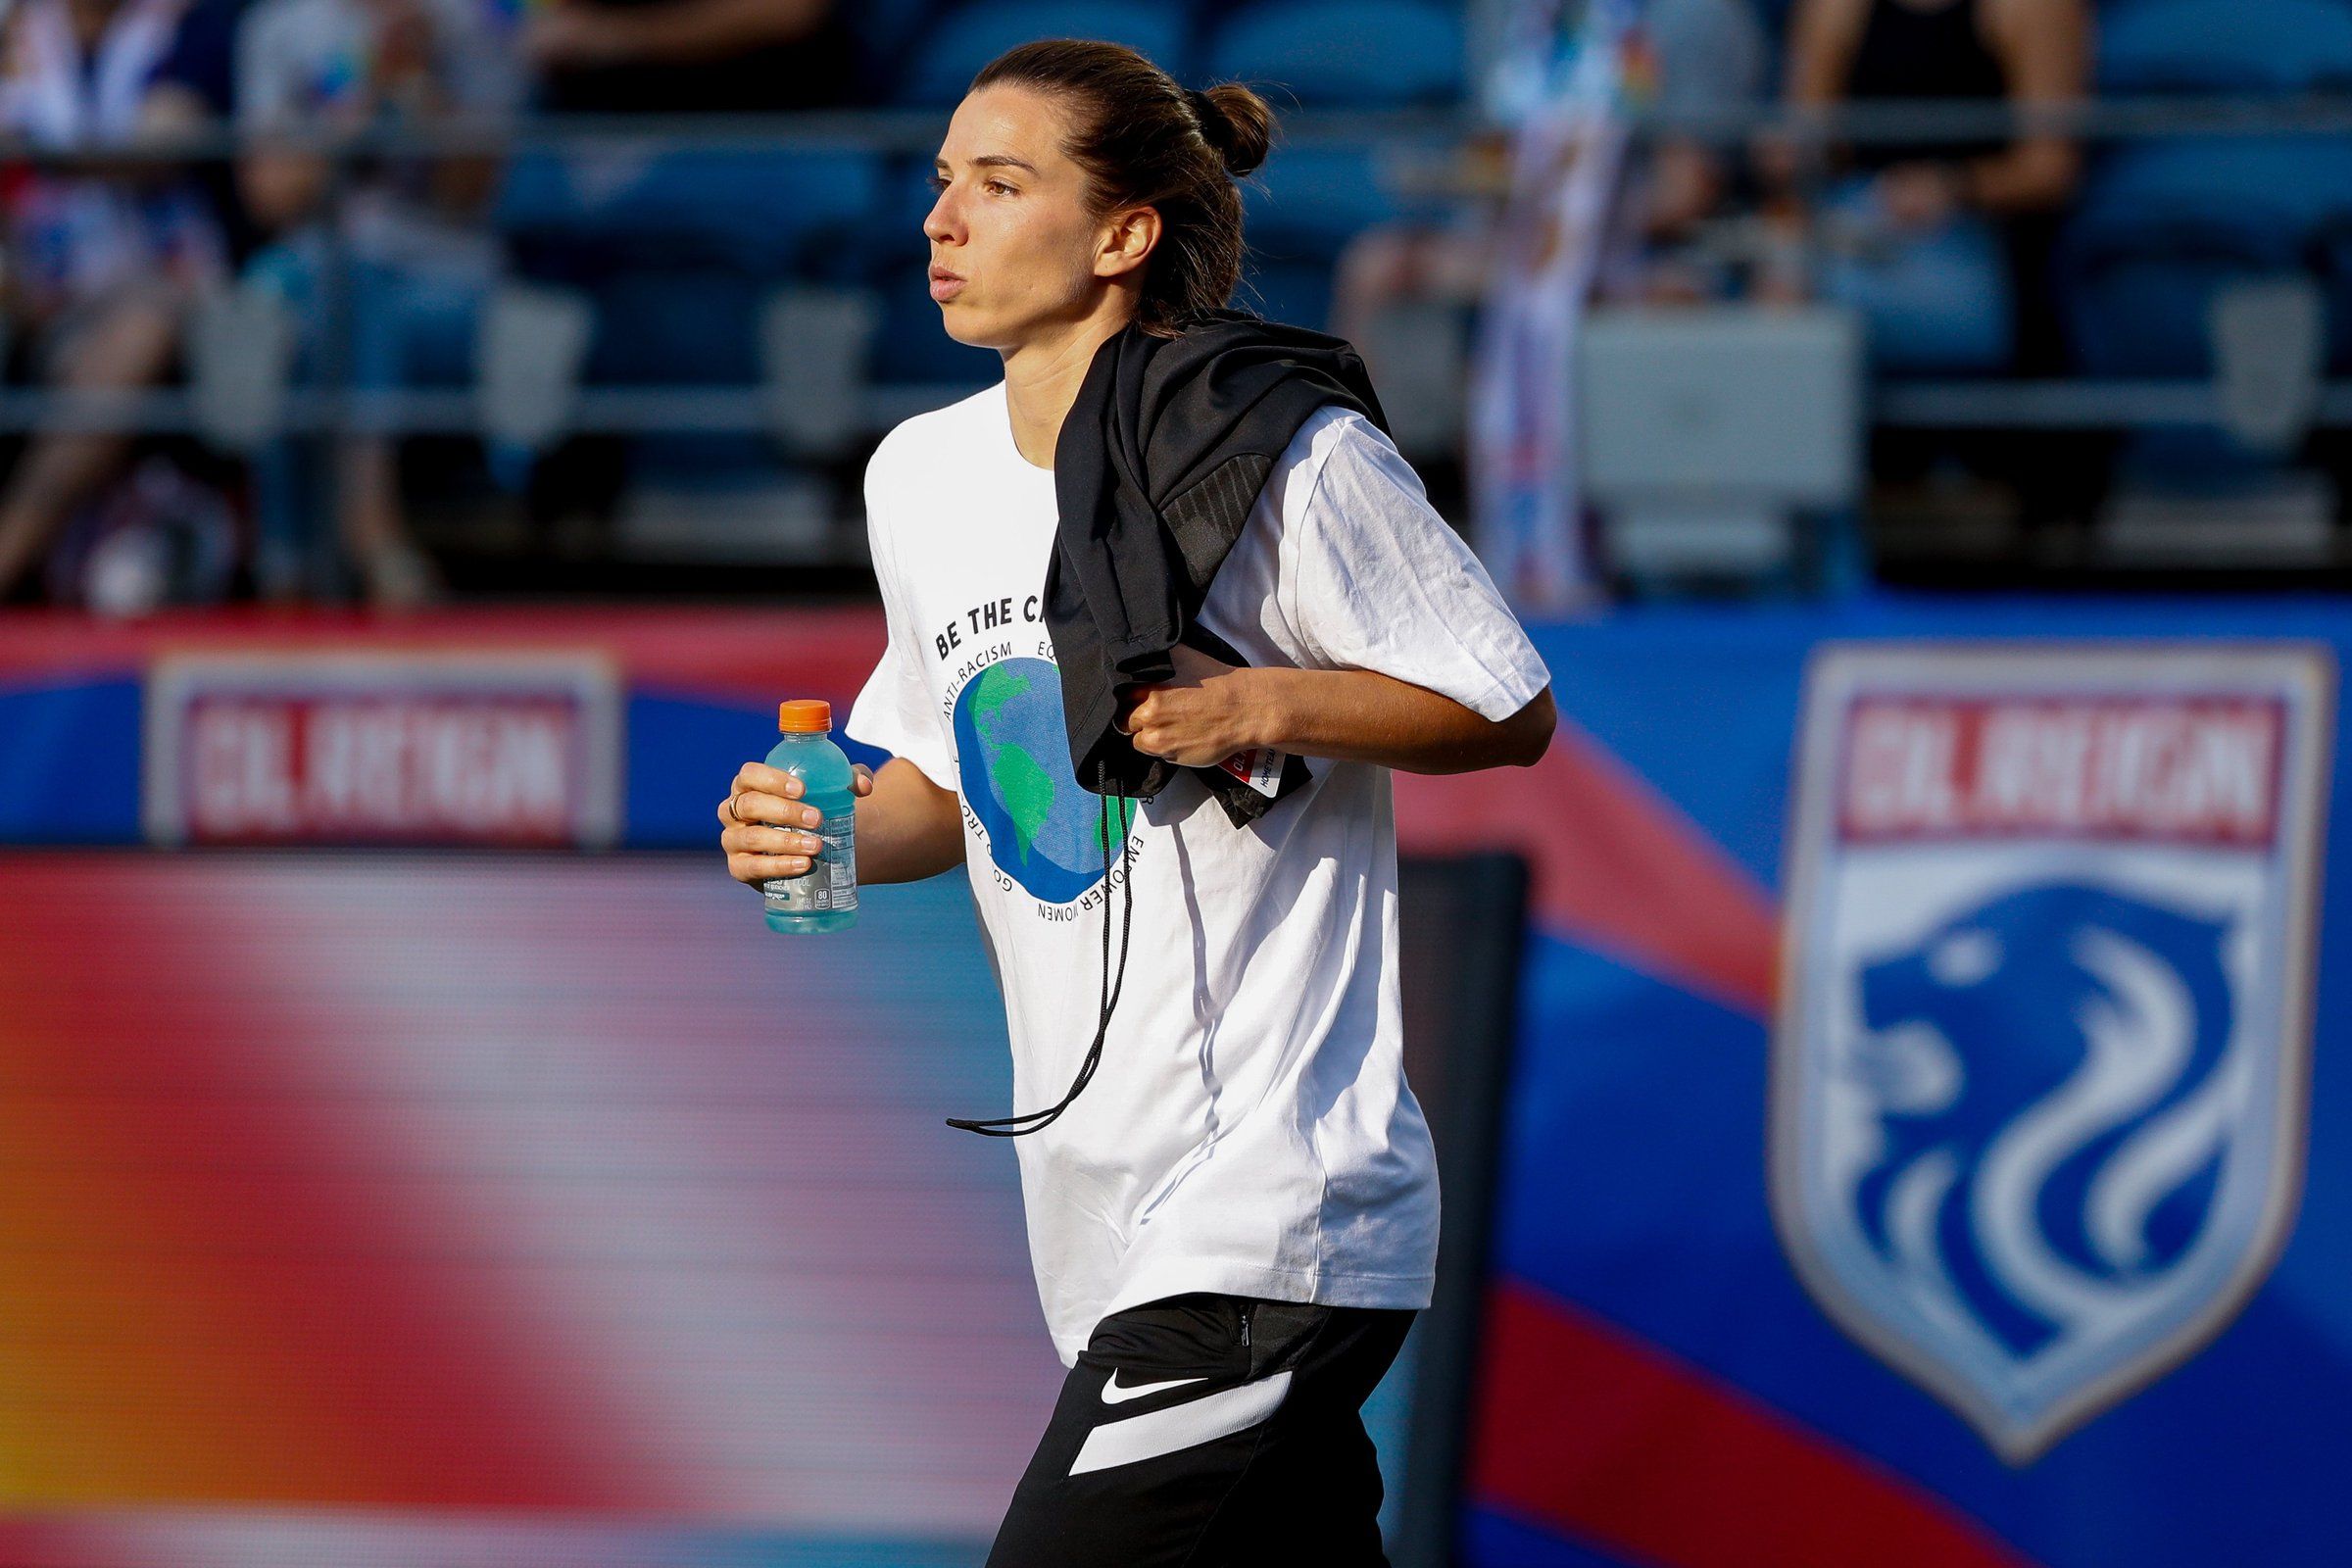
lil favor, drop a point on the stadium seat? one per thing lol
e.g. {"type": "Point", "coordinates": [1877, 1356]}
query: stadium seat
{"type": "Point", "coordinates": [1301, 214]}
{"type": "Point", "coordinates": [678, 253]}
{"type": "Point", "coordinates": [1295, 292]}
{"type": "Point", "coordinates": [897, 225]}
{"type": "Point", "coordinates": [2162, 225]}
{"type": "Point", "coordinates": [2278, 189]}
{"type": "Point", "coordinates": [1312, 200]}
{"type": "Point", "coordinates": [966, 38]}
{"type": "Point", "coordinates": [1345, 54]}
{"type": "Point", "coordinates": [883, 29]}
{"type": "Point", "coordinates": [680, 325]}
{"type": "Point", "coordinates": [2226, 46]}
{"type": "Point", "coordinates": [760, 211]}
{"type": "Point", "coordinates": [911, 348]}
{"type": "Point", "coordinates": [2333, 251]}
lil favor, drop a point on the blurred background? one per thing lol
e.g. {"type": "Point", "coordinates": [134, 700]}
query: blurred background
{"type": "Point", "coordinates": [1882, 1056]}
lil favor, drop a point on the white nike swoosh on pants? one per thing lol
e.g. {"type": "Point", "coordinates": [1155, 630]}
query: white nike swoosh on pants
{"type": "Point", "coordinates": [1180, 1425]}
{"type": "Point", "coordinates": [1112, 1393]}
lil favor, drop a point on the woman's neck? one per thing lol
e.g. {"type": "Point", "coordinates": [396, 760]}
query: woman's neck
{"type": "Point", "coordinates": [1042, 381]}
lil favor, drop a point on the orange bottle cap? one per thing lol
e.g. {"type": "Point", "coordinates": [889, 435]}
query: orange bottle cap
{"type": "Point", "coordinates": [807, 716]}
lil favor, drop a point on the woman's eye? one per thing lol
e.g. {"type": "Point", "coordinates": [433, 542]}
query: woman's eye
{"type": "Point", "coordinates": [936, 181]}
{"type": "Point", "coordinates": [1000, 188]}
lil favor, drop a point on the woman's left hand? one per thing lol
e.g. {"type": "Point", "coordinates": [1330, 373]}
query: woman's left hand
{"type": "Point", "coordinates": [1206, 712]}
{"type": "Point", "coordinates": [1920, 197]}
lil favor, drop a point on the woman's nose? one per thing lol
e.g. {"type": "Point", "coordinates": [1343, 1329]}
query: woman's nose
{"type": "Point", "coordinates": [942, 225]}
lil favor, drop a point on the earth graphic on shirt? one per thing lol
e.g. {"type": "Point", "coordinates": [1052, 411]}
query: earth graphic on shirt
{"type": "Point", "coordinates": [1013, 752]}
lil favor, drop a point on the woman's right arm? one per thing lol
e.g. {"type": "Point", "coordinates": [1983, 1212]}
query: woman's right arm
{"type": "Point", "coordinates": [1823, 35]}
{"type": "Point", "coordinates": [908, 827]}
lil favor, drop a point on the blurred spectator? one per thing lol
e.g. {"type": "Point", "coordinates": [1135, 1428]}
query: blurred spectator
{"type": "Point", "coordinates": [396, 286]}
{"type": "Point", "coordinates": [1710, 56]}
{"type": "Point", "coordinates": [1670, 235]}
{"type": "Point", "coordinates": [195, 90]}
{"type": "Point", "coordinates": [101, 264]}
{"type": "Point", "coordinates": [690, 56]}
{"type": "Point", "coordinates": [1912, 230]}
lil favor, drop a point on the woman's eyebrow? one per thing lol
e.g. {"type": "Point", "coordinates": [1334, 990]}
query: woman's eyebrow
{"type": "Point", "coordinates": [990, 160]}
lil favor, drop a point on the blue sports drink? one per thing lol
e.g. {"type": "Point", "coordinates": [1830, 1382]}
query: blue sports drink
{"type": "Point", "coordinates": [825, 897]}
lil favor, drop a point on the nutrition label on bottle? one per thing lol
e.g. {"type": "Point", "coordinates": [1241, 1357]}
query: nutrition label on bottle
{"type": "Point", "coordinates": [828, 884]}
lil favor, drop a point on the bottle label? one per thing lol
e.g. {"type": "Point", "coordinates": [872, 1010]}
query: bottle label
{"type": "Point", "coordinates": [831, 884]}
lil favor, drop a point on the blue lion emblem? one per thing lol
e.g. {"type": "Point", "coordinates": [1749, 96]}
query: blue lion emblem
{"type": "Point", "coordinates": [2043, 1072]}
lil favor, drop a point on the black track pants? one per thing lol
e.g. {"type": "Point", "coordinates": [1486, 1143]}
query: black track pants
{"type": "Point", "coordinates": [1210, 1432]}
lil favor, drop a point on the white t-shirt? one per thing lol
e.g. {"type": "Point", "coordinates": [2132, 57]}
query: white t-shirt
{"type": "Point", "coordinates": [1248, 1130]}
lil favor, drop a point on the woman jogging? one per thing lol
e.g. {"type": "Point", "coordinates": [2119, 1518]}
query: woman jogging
{"type": "Point", "coordinates": [1231, 1196]}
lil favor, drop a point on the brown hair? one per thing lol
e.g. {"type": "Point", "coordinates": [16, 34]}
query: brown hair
{"type": "Point", "coordinates": [1144, 141]}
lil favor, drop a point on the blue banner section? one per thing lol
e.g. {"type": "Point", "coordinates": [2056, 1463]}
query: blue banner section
{"type": "Point", "coordinates": [72, 752]}
{"type": "Point", "coordinates": [682, 753]}
{"type": "Point", "coordinates": [2054, 1265]}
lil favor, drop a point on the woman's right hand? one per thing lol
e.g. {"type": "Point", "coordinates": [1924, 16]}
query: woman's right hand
{"type": "Point", "coordinates": [766, 830]}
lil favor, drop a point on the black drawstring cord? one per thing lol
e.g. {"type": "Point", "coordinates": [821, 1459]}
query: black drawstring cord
{"type": "Point", "coordinates": [1009, 1126]}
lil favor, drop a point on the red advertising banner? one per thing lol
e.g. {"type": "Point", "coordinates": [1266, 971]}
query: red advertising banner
{"type": "Point", "coordinates": [516, 750]}
{"type": "Point", "coordinates": [2183, 766]}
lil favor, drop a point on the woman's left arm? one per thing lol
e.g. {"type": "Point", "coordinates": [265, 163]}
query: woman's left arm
{"type": "Point", "coordinates": [1403, 652]}
{"type": "Point", "coordinates": [2045, 47]}
{"type": "Point", "coordinates": [1210, 710]}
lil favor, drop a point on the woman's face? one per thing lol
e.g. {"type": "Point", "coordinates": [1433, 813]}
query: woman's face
{"type": "Point", "coordinates": [1015, 256]}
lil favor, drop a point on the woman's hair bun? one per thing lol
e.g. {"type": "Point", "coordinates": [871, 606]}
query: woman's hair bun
{"type": "Point", "coordinates": [1239, 125]}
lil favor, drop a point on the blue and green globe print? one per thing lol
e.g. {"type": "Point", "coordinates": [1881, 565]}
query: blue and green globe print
{"type": "Point", "coordinates": [1044, 831]}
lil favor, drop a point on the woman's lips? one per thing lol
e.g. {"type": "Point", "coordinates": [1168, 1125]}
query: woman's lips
{"type": "Point", "coordinates": [945, 285]}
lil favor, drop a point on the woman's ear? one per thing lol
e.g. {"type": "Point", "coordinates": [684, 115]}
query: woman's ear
{"type": "Point", "coordinates": [1128, 238]}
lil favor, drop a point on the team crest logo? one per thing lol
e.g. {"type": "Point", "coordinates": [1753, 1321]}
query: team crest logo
{"type": "Point", "coordinates": [2040, 1067]}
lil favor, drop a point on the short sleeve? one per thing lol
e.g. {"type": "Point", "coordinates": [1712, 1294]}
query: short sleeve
{"type": "Point", "coordinates": [894, 710]}
{"type": "Point", "coordinates": [1377, 580]}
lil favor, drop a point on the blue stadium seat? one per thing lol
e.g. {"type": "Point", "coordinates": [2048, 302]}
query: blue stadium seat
{"type": "Point", "coordinates": [1310, 201]}
{"type": "Point", "coordinates": [1345, 54]}
{"type": "Point", "coordinates": [760, 210]}
{"type": "Point", "coordinates": [2333, 250]}
{"type": "Point", "coordinates": [1295, 292]}
{"type": "Point", "coordinates": [679, 256]}
{"type": "Point", "coordinates": [691, 325]}
{"type": "Point", "coordinates": [911, 348]}
{"type": "Point", "coordinates": [2163, 226]}
{"type": "Point", "coordinates": [1300, 214]}
{"type": "Point", "coordinates": [891, 239]}
{"type": "Point", "coordinates": [883, 30]}
{"type": "Point", "coordinates": [968, 37]}
{"type": "Point", "coordinates": [2224, 46]}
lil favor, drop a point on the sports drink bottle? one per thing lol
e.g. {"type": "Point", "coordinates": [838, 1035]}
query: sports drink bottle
{"type": "Point", "coordinates": [823, 898]}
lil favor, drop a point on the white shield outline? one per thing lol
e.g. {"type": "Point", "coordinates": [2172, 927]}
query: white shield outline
{"type": "Point", "coordinates": [2303, 676]}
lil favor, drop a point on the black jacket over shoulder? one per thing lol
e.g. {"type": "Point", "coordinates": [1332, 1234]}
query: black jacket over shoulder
{"type": "Point", "coordinates": [1157, 467]}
